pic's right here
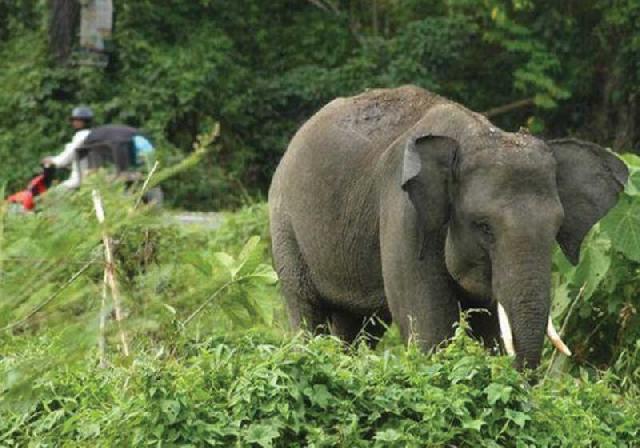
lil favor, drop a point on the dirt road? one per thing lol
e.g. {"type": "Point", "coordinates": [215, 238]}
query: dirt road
{"type": "Point", "coordinates": [210, 220]}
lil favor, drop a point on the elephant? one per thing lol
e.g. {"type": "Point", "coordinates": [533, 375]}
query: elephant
{"type": "Point", "coordinates": [399, 205]}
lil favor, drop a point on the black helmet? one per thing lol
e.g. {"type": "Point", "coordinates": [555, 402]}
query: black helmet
{"type": "Point", "coordinates": [82, 113]}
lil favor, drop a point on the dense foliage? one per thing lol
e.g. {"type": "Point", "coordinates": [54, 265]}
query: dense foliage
{"type": "Point", "coordinates": [248, 393]}
{"type": "Point", "coordinates": [165, 270]}
{"type": "Point", "coordinates": [262, 68]}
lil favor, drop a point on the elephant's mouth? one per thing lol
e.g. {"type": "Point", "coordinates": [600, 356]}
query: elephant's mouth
{"type": "Point", "coordinates": [476, 281]}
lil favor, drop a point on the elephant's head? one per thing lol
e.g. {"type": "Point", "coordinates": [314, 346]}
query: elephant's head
{"type": "Point", "coordinates": [500, 201]}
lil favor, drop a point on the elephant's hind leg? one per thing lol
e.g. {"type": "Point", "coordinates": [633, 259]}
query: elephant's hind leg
{"type": "Point", "coordinates": [304, 304]}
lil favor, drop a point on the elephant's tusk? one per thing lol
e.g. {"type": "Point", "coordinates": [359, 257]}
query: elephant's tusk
{"type": "Point", "coordinates": [505, 330]}
{"type": "Point", "coordinates": [555, 339]}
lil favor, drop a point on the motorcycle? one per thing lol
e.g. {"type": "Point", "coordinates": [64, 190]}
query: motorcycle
{"type": "Point", "coordinates": [109, 145]}
{"type": "Point", "coordinates": [24, 201]}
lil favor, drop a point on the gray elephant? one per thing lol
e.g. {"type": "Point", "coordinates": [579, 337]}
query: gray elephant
{"type": "Point", "coordinates": [398, 204]}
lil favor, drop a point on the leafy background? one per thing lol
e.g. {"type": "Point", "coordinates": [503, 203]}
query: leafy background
{"type": "Point", "coordinates": [262, 68]}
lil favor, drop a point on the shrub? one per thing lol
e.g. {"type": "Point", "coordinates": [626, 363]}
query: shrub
{"type": "Point", "coordinates": [246, 392]}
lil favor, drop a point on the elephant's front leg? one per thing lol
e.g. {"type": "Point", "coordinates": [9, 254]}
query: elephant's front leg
{"type": "Point", "coordinates": [419, 290]}
{"type": "Point", "coordinates": [422, 301]}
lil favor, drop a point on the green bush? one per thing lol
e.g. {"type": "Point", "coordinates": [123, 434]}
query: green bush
{"type": "Point", "coordinates": [52, 268]}
{"type": "Point", "coordinates": [245, 392]}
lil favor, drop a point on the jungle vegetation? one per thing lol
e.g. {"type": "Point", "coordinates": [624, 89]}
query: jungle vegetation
{"type": "Point", "coordinates": [211, 361]}
{"type": "Point", "coordinates": [262, 68]}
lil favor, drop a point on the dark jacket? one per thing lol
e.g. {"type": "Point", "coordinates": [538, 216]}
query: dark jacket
{"type": "Point", "coordinates": [110, 145]}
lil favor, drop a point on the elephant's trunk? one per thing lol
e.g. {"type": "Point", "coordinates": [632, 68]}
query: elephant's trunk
{"type": "Point", "coordinates": [521, 286]}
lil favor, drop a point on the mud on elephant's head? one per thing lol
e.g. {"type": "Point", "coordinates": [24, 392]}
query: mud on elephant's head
{"type": "Point", "coordinates": [500, 201]}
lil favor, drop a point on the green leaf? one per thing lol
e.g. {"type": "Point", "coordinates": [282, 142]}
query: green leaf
{"type": "Point", "coordinates": [249, 258]}
{"type": "Point", "coordinates": [517, 417]}
{"type": "Point", "coordinates": [171, 409]}
{"type": "Point", "coordinates": [89, 431]}
{"type": "Point", "coordinates": [226, 260]}
{"type": "Point", "coordinates": [388, 435]}
{"type": "Point", "coordinates": [498, 392]}
{"type": "Point", "coordinates": [595, 262]}
{"type": "Point", "coordinates": [632, 188]}
{"type": "Point", "coordinates": [319, 395]}
{"type": "Point", "coordinates": [475, 424]}
{"type": "Point", "coordinates": [561, 299]}
{"type": "Point", "coordinates": [262, 434]}
{"type": "Point", "coordinates": [265, 273]}
{"type": "Point", "coordinates": [198, 262]}
{"type": "Point", "coordinates": [248, 248]}
{"type": "Point", "coordinates": [171, 309]}
{"type": "Point", "coordinates": [622, 224]}
{"type": "Point", "coordinates": [544, 101]}
{"type": "Point", "coordinates": [632, 160]}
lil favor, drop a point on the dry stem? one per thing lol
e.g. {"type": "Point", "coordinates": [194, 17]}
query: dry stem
{"type": "Point", "coordinates": [109, 270]}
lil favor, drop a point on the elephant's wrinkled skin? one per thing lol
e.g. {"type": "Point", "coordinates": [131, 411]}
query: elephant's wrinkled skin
{"type": "Point", "coordinates": [401, 204]}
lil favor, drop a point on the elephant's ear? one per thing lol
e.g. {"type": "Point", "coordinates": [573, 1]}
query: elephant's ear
{"type": "Point", "coordinates": [429, 162]}
{"type": "Point", "coordinates": [589, 180]}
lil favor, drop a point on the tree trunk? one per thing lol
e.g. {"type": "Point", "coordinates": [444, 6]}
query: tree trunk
{"type": "Point", "coordinates": [626, 131]}
{"type": "Point", "coordinates": [615, 120]}
{"type": "Point", "coordinates": [4, 14]}
{"type": "Point", "coordinates": [63, 24]}
{"type": "Point", "coordinates": [374, 17]}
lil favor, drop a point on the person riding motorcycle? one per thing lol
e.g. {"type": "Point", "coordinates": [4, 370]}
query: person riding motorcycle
{"type": "Point", "coordinates": [125, 147]}
{"type": "Point", "coordinates": [81, 121]}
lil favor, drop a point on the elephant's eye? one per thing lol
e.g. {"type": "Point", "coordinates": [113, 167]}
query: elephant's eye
{"type": "Point", "coordinates": [484, 228]}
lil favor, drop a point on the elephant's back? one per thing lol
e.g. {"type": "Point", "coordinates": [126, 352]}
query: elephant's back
{"type": "Point", "coordinates": [381, 115]}
{"type": "Point", "coordinates": [376, 116]}
{"type": "Point", "coordinates": [342, 142]}
{"type": "Point", "coordinates": [352, 133]}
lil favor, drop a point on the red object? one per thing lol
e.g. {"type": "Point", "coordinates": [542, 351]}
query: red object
{"type": "Point", "coordinates": [37, 186]}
